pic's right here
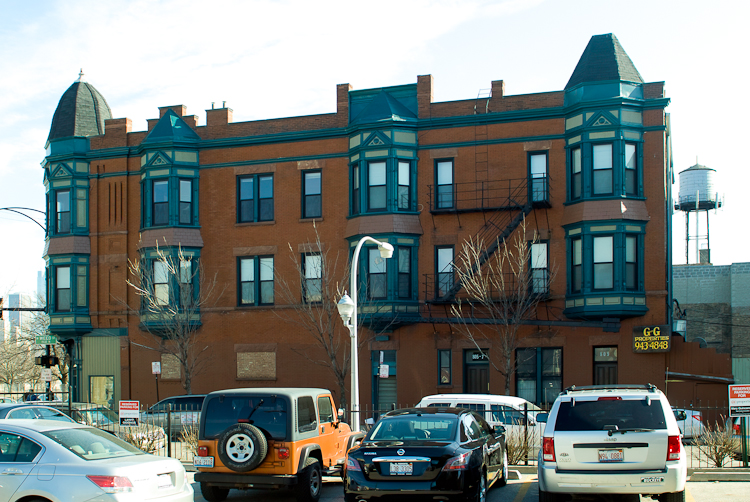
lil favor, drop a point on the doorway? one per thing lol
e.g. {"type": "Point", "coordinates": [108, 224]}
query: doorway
{"type": "Point", "coordinates": [476, 372]}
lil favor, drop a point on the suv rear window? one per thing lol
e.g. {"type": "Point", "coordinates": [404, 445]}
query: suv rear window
{"type": "Point", "coordinates": [268, 413]}
{"type": "Point", "coordinates": [597, 415]}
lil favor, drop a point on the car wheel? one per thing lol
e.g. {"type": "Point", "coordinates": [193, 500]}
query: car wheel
{"type": "Point", "coordinates": [504, 473]}
{"type": "Point", "coordinates": [480, 494]}
{"type": "Point", "coordinates": [310, 481]}
{"type": "Point", "coordinates": [673, 497]}
{"type": "Point", "coordinates": [550, 497]}
{"type": "Point", "coordinates": [242, 447]}
{"type": "Point", "coordinates": [214, 493]}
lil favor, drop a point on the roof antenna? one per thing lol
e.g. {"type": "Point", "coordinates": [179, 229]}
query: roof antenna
{"type": "Point", "coordinates": [80, 75]}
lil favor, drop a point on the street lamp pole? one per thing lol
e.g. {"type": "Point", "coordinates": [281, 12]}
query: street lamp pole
{"type": "Point", "coordinates": [348, 311]}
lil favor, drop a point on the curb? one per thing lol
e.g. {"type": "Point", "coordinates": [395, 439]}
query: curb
{"type": "Point", "coordinates": [710, 476]}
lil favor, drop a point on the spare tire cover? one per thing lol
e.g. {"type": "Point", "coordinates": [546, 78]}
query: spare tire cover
{"type": "Point", "coordinates": [242, 447]}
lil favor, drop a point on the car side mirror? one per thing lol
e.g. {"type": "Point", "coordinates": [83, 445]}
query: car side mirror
{"type": "Point", "coordinates": [681, 415]}
{"type": "Point", "coordinates": [541, 418]}
{"type": "Point", "coordinates": [341, 413]}
{"type": "Point", "coordinates": [498, 430]}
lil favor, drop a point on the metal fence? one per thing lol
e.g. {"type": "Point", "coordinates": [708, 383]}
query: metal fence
{"type": "Point", "coordinates": [711, 439]}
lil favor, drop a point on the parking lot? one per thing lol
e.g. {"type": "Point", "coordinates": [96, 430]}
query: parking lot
{"type": "Point", "coordinates": [523, 490]}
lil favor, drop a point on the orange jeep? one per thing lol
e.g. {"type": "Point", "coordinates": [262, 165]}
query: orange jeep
{"type": "Point", "coordinates": [269, 438]}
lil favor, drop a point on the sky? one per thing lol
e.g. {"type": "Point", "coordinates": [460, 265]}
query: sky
{"type": "Point", "coordinates": [270, 59]}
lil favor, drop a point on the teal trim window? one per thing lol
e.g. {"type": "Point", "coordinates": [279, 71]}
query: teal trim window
{"type": "Point", "coordinates": [444, 183]}
{"type": "Point", "coordinates": [444, 270]}
{"type": "Point", "coordinates": [63, 291]}
{"type": "Point", "coordinates": [391, 280]}
{"type": "Point", "coordinates": [631, 169]}
{"type": "Point", "coordinates": [256, 280]}
{"type": "Point", "coordinates": [602, 169]}
{"type": "Point", "coordinates": [403, 195]}
{"type": "Point", "coordinates": [312, 268]}
{"type": "Point", "coordinates": [172, 280]}
{"type": "Point", "coordinates": [377, 275]}
{"type": "Point", "coordinates": [312, 202]}
{"type": "Point", "coordinates": [538, 173]}
{"type": "Point", "coordinates": [444, 367]}
{"type": "Point", "coordinates": [62, 211]}
{"type": "Point", "coordinates": [160, 202]}
{"type": "Point", "coordinates": [255, 200]}
{"type": "Point", "coordinates": [186, 202]}
{"type": "Point", "coordinates": [604, 270]}
{"type": "Point", "coordinates": [576, 265]}
{"type": "Point", "coordinates": [576, 176]}
{"type": "Point", "coordinates": [389, 186]}
{"type": "Point", "coordinates": [68, 285]}
{"type": "Point", "coordinates": [376, 186]}
{"type": "Point", "coordinates": [539, 374]}
{"type": "Point", "coordinates": [356, 199]}
{"type": "Point", "coordinates": [606, 261]}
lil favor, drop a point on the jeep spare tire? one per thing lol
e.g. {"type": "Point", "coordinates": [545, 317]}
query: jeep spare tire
{"type": "Point", "coordinates": [242, 447]}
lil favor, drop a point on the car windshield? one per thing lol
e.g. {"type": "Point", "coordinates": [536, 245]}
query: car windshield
{"type": "Point", "coordinates": [597, 415]}
{"type": "Point", "coordinates": [92, 444]}
{"type": "Point", "coordinates": [268, 413]}
{"type": "Point", "coordinates": [414, 427]}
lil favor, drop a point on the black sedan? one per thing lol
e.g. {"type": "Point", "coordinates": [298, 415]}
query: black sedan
{"type": "Point", "coordinates": [440, 452]}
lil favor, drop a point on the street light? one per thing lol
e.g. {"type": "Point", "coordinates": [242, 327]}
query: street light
{"type": "Point", "coordinates": [348, 311]}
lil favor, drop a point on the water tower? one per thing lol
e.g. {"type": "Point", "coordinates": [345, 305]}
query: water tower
{"type": "Point", "coordinates": [698, 194]}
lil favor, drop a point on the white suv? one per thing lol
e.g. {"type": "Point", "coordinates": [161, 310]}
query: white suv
{"type": "Point", "coordinates": [611, 439]}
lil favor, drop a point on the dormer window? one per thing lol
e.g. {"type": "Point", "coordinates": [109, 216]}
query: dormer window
{"type": "Point", "coordinates": [161, 203]}
{"type": "Point", "coordinates": [602, 174]}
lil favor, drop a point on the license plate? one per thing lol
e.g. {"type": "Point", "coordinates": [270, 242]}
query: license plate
{"type": "Point", "coordinates": [652, 479]}
{"type": "Point", "coordinates": [401, 468]}
{"type": "Point", "coordinates": [203, 461]}
{"type": "Point", "coordinates": [164, 481]}
{"type": "Point", "coordinates": [611, 456]}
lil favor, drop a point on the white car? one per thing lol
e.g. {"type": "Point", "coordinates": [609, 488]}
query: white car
{"type": "Point", "coordinates": [690, 422]}
{"type": "Point", "coordinates": [52, 460]}
{"type": "Point", "coordinates": [495, 409]}
{"type": "Point", "coordinates": [616, 439]}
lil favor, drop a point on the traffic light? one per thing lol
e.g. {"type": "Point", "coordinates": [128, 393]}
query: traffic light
{"type": "Point", "coordinates": [46, 361]}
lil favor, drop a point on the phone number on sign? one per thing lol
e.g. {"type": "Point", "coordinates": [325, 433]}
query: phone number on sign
{"type": "Point", "coordinates": [652, 345]}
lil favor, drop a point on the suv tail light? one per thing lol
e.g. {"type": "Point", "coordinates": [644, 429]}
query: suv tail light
{"type": "Point", "coordinates": [673, 448]}
{"type": "Point", "coordinates": [202, 451]}
{"type": "Point", "coordinates": [283, 453]}
{"type": "Point", "coordinates": [610, 398]}
{"type": "Point", "coordinates": [548, 449]}
{"type": "Point", "coordinates": [112, 484]}
{"type": "Point", "coordinates": [736, 428]}
{"type": "Point", "coordinates": [459, 463]}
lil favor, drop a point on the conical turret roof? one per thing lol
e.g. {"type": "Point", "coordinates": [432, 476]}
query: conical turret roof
{"type": "Point", "coordinates": [604, 59]}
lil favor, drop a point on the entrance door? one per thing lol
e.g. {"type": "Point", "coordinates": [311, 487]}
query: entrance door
{"type": "Point", "coordinates": [476, 372]}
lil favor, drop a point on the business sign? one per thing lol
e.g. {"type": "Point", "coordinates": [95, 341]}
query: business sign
{"type": "Point", "coordinates": [652, 339]}
{"type": "Point", "coordinates": [129, 413]}
{"type": "Point", "coordinates": [739, 400]}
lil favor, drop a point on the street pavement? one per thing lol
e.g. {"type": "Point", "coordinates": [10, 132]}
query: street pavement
{"type": "Point", "coordinates": [522, 489]}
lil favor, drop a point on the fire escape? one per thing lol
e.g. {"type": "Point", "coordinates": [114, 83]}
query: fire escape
{"type": "Point", "coordinates": [503, 203]}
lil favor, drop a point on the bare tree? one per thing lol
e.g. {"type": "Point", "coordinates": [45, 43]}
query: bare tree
{"type": "Point", "coordinates": [16, 364]}
{"type": "Point", "coordinates": [313, 293]}
{"type": "Point", "coordinates": [173, 287]}
{"type": "Point", "coordinates": [502, 291]}
{"type": "Point", "coordinates": [38, 325]}
{"type": "Point", "coordinates": [320, 279]}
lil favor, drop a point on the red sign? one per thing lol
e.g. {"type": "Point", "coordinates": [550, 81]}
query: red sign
{"type": "Point", "coordinates": [739, 392]}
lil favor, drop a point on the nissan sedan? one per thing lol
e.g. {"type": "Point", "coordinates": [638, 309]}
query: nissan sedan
{"type": "Point", "coordinates": [446, 453]}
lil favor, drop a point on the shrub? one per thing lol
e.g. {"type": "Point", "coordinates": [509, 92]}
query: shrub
{"type": "Point", "coordinates": [521, 444]}
{"type": "Point", "coordinates": [717, 443]}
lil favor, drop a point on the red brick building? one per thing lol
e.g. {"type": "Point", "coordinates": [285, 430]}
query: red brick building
{"type": "Point", "coordinates": [588, 167]}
